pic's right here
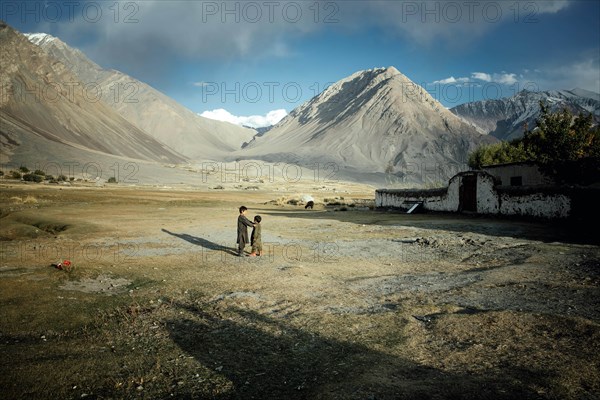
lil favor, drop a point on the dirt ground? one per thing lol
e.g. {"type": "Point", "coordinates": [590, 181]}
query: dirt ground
{"type": "Point", "coordinates": [347, 303]}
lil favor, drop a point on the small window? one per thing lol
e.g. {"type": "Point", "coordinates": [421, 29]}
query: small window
{"type": "Point", "coordinates": [516, 181]}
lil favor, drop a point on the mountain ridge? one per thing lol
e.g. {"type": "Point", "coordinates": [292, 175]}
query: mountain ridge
{"type": "Point", "coordinates": [375, 120]}
{"type": "Point", "coordinates": [42, 98]}
{"type": "Point", "coordinates": [196, 137]}
{"type": "Point", "coordinates": [506, 118]}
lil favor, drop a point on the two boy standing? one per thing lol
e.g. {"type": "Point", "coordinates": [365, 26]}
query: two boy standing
{"type": "Point", "coordinates": [242, 233]}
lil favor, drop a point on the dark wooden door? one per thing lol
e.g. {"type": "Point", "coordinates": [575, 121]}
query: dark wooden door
{"type": "Point", "coordinates": [468, 193]}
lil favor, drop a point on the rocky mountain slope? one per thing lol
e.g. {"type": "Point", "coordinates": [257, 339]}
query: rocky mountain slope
{"type": "Point", "coordinates": [372, 121]}
{"type": "Point", "coordinates": [42, 98]}
{"type": "Point", "coordinates": [507, 118]}
{"type": "Point", "coordinates": [171, 123]}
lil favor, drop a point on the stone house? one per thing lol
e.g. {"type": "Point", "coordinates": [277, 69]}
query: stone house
{"type": "Point", "coordinates": [481, 192]}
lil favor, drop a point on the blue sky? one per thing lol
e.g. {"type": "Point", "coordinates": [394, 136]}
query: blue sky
{"type": "Point", "coordinates": [252, 57]}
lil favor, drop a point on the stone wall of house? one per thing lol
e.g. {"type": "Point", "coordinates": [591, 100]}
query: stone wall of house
{"type": "Point", "coordinates": [540, 203]}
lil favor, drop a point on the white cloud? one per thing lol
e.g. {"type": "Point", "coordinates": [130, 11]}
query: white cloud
{"type": "Point", "coordinates": [450, 80]}
{"type": "Point", "coordinates": [506, 79]}
{"type": "Point", "coordinates": [254, 121]}
{"type": "Point", "coordinates": [501, 78]}
{"type": "Point", "coordinates": [581, 73]}
{"type": "Point", "coordinates": [549, 6]}
{"type": "Point", "coordinates": [221, 114]}
{"type": "Point", "coordinates": [482, 76]}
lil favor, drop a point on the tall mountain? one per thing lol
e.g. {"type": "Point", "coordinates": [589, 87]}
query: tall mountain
{"type": "Point", "coordinates": [157, 114]}
{"type": "Point", "coordinates": [506, 118]}
{"type": "Point", "coordinates": [376, 120]}
{"type": "Point", "coordinates": [42, 99]}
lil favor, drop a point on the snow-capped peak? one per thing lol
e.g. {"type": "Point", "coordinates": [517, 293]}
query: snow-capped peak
{"type": "Point", "coordinates": [39, 38]}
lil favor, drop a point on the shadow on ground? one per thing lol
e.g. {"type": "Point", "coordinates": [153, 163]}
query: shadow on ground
{"type": "Point", "coordinates": [521, 228]}
{"type": "Point", "coordinates": [198, 241]}
{"type": "Point", "coordinates": [264, 358]}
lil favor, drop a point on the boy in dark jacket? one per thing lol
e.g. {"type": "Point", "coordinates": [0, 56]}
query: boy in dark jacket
{"type": "Point", "coordinates": [242, 230]}
{"type": "Point", "coordinates": [256, 239]}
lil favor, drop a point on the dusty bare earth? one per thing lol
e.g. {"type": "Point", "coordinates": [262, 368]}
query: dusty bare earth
{"type": "Point", "coordinates": [348, 302]}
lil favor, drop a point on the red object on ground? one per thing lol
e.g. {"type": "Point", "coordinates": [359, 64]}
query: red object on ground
{"type": "Point", "coordinates": [65, 264]}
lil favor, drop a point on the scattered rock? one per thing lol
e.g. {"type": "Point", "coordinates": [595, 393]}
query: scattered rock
{"type": "Point", "coordinates": [423, 318]}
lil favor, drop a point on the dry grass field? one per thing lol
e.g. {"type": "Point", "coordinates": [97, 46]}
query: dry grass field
{"type": "Point", "coordinates": [347, 303]}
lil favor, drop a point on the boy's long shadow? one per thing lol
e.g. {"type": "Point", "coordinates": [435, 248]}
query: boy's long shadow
{"type": "Point", "coordinates": [264, 357]}
{"type": "Point", "coordinates": [198, 241]}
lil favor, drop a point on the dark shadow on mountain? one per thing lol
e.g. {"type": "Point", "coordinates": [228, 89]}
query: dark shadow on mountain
{"type": "Point", "coordinates": [198, 241]}
{"type": "Point", "coordinates": [266, 358]}
{"type": "Point", "coordinates": [567, 231]}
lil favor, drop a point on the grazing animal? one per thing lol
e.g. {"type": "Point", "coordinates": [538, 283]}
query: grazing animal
{"type": "Point", "coordinates": [310, 205]}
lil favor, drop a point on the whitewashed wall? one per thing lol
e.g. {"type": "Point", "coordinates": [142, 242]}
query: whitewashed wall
{"type": "Point", "coordinates": [448, 202]}
{"type": "Point", "coordinates": [405, 198]}
{"type": "Point", "coordinates": [536, 205]}
{"type": "Point", "coordinates": [489, 199]}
